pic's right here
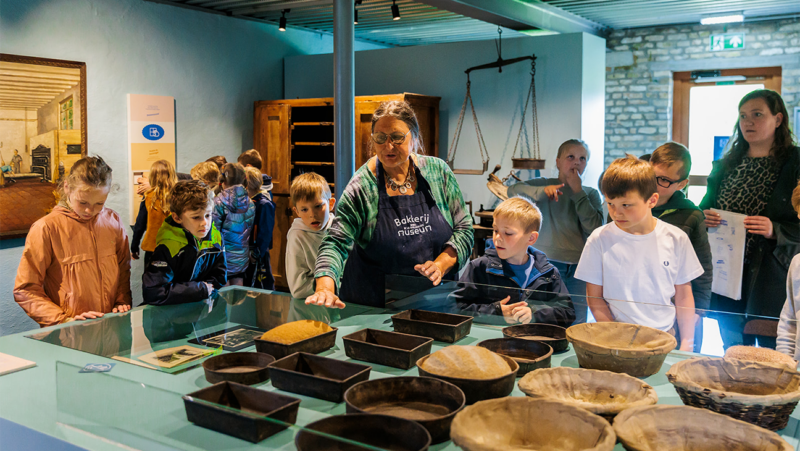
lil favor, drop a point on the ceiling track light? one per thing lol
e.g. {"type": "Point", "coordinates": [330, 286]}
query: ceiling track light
{"type": "Point", "coordinates": [725, 18]}
{"type": "Point", "coordinates": [282, 22]}
{"type": "Point", "coordinates": [395, 10]}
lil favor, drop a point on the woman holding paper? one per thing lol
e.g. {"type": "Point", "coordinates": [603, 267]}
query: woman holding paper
{"type": "Point", "coordinates": [756, 178]}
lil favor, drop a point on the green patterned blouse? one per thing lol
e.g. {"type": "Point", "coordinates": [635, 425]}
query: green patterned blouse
{"type": "Point", "coordinates": [357, 216]}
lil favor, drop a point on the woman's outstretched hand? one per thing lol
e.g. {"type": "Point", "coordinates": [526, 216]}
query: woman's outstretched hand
{"type": "Point", "coordinates": [430, 270]}
{"type": "Point", "coordinates": [325, 294]}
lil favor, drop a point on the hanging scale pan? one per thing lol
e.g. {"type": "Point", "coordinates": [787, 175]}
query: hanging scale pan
{"type": "Point", "coordinates": [536, 162]}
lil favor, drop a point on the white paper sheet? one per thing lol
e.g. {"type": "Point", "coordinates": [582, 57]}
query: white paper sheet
{"type": "Point", "coordinates": [727, 252]}
{"type": "Point", "coordinates": [10, 364]}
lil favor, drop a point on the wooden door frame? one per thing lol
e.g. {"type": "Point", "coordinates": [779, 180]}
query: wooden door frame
{"type": "Point", "coordinates": [681, 84]}
{"type": "Point", "coordinates": [82, 85]}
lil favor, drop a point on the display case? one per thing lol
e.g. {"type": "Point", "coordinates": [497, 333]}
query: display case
{"type": "Point", "coordinates": [142, 405]}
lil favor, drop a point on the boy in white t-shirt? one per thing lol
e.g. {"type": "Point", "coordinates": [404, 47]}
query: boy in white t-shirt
{"type": "Point", "coordinates": [635, 265]}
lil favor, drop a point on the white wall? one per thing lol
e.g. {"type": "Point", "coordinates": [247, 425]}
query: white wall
{"type": "Point", "coordinates": [15, 130]}
{"type": "Point", "coordinates": [570, 72]}
{"type": "Point", "coordinates": [214, 66]}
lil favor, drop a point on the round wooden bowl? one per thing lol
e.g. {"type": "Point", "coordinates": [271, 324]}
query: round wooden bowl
{"type": "Point", "coordinates": [764, 394]}
{"type": "Point", "coordinates": [379, 431]}
{"type": "Point", "coordinates": [529, 355]}
{"type": "Point", "coordinates": [601, 392]}
{"type": "Point", "coordinates": [246, 368]}
{"type": "Point", "coordinates": [555, 336]}
{"type": "Point", "coordinates": [479, 389]}
{"type": "Point", "coordinates": [517, 423]}
{"type": "Point", "coordinates": [682, 428]}
{"type": "Point", "coordinates": [621, 347]}
{"type": "Point", "coordinates": [431, 402]}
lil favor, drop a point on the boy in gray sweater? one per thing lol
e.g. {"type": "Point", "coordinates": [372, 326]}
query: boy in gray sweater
{"type": "Point", "coordinates": [570, 213]}
{"type": "Point", "coordinates": [313, 203]}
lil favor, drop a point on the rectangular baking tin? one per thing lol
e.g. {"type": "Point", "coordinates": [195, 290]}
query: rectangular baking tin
{"type": "Point", "coordinates": [445, 327]}
{"type": "Point", "coordinates": [315, 376]}
{"type": "Point", "coordinates": [235, 409]}
{"type": "Point", "coordinates": [313, 345]}
{"type": "Point", "coordinates": [387, 348]}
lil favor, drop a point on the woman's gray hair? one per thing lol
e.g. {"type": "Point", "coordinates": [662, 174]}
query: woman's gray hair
{"type": "Point", "coordinates": [402, 111]}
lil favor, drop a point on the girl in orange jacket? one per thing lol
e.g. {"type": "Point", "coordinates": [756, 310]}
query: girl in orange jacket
{"type": "Point", "coordinates": [76, 263]}
{"type": "Point", "coordinates": [153, 209]}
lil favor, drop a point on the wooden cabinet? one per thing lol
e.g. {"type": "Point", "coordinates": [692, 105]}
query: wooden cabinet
{"type": "Point", "coordinates": [295, 136]}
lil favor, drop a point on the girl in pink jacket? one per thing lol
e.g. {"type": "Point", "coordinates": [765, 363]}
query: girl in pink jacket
{"type": "Point", "coordinates": [76, 262]}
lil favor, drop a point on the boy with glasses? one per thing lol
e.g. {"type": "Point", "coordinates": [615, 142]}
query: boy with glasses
{"type": "Point", "coordinates": [672, 163]}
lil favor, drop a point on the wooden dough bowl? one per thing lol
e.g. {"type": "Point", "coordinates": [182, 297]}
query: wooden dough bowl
{"type": "Point", "coordinates": [379, 431]}
{"type": "Point", "coordinates": [601, 392]}
{"type": "Point", "coordinates": [764, 394]}
{"type": "Point", "coordinates": [479, 389]}
{"type": "Point", "coordinates": [431, 402]}
{"type": "Point", "coordinates": [681, 428]}
{"type": "Point", "coordinates": [620, 347]}
{"type": "Point", "coordinates": [516, 424]}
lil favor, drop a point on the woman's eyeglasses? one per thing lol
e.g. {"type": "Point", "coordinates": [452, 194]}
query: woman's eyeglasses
{"type": "Point", "coordinates": [665, 182]}
{"type": "Point", "coordinates": [396, 137]}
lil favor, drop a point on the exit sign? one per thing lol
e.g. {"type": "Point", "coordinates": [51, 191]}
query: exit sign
{"type": "Point", "coordinates": [729, 41]}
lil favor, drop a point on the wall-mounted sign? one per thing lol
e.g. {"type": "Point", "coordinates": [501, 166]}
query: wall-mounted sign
{"type": "Point", "coordinates": [720, 142]}
{"type": "Point", "coordinates": [728, 41]}
{"type": "Point", "coordinates": [151, 137]}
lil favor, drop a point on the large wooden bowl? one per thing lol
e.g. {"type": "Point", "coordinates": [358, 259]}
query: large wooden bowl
{"type": "Point", "coordinates": [764, 394]}
{"type": "Point", "coordinates": [601, 392]}
{"type": "Point", "coordinates": [620, 347]}
{"type": "Point", "coordinates": [681, 428]}
{"type": "Point", "coordinates": [516, 423]}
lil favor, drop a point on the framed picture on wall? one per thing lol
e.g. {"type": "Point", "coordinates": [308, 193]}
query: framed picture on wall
{"type": "Point", "coordinates": [43, 131]}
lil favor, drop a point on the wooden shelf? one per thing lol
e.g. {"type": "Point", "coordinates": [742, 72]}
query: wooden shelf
{"type": "Point", "coordinates": [311, 124]}
{"type": "Point", "coordinates": [312, 163]}
{"type": "Point", "coordinates": [325, 144]}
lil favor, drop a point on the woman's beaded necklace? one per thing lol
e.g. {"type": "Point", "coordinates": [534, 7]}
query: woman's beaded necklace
{"type": "Point", "coordinates": [403, 187]}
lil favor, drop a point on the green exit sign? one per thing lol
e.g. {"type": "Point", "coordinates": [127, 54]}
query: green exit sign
{"type": "Point", "coordinates": [729, 41]}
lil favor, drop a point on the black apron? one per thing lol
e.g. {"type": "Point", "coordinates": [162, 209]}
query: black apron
{"type": "Point", "coordinates": [410, 230]}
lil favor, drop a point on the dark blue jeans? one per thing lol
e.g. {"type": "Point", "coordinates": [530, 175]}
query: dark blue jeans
{"type": "Point", "coordinates": [576, 287]}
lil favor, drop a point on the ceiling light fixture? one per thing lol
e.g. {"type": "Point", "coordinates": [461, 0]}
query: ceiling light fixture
{"type": "Point", "coordinates": [282, 22]}
{"type": "Point", "coordinates": [355, 12]}
{"type": "Point", "coordinates": [395, 10]}
{"type": "Point", "coordinates": [727, 18]}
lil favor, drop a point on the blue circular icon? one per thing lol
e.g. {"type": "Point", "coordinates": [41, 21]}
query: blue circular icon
{"type": "Point", "coordinates": [153, 132]}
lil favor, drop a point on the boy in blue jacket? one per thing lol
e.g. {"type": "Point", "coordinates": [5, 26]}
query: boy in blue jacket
{"type": "Point", "coordinates": [513, 280]}
{"type": "Point", "coordinates": [259, 272]}
{"type": "Point", "coordinates": [188, 263]}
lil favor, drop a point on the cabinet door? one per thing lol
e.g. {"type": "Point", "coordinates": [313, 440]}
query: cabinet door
{"type": "Point", "coordinates": [271, 139]}
{"type": "Point", "coordinates": [277, 255]}
{"type": "Point", "coordinates": [364, 112]}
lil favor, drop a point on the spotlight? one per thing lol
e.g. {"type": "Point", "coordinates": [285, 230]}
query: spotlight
{"type": "Point", "coordinates": [282, 23]}
{"type": "Point", "coordinates": [355, 15]}
{"type": "Point", "coordinates": [395, 11]}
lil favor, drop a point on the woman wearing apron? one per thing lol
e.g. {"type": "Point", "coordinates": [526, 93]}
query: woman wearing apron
{"type": "Point", "coordinates": [401, 213]}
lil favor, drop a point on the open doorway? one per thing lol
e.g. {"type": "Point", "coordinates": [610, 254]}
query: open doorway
{"type": "Point", "coordinates": [705, 109]}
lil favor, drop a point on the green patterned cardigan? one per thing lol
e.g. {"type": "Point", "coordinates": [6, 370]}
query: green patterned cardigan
{"type": "Point", "coordinates": [357, 215]}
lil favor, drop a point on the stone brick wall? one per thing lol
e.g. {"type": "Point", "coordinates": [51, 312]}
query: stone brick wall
{"type": "Point", "coordinates": [641, 62]}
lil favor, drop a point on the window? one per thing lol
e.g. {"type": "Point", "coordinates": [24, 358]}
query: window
{"type": "Point", "coordinates": [65, 113]}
